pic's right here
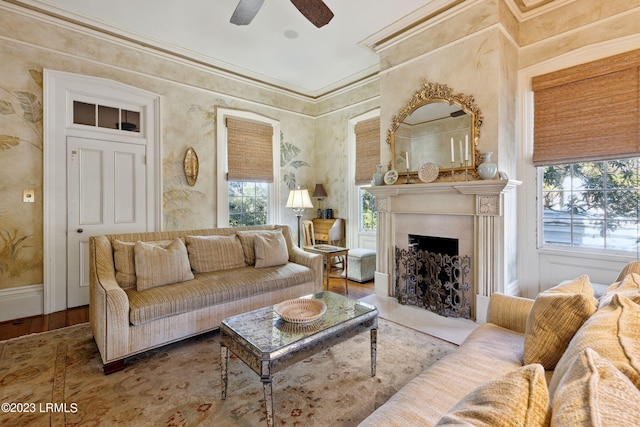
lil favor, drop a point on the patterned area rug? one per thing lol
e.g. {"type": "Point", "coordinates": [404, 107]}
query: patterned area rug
{"type": "Point", "coordinates": [56, 379]}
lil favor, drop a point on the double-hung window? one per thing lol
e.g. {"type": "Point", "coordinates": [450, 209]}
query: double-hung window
{"type": "Point", "coordinates": [367, 139]}
{"type": "Point", "coordinates": [247, 152]}
{"type": "Point", "coordinates": [586, 147]}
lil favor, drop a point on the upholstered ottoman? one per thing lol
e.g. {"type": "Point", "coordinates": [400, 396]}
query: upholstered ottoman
{"type": "Point", "coordinates": [361, 265]}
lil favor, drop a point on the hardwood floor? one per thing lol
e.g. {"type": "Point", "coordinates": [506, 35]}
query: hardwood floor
{"type": "Point", "coordinates": [47, 322]}
{"type": "Point", "coordinates": [73, 316]}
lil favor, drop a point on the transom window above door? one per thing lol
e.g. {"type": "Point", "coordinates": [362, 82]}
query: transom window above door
{"type": "Point", "coordinates": [105, 117]}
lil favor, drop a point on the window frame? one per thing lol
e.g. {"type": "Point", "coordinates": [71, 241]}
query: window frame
{"type": "Point", "coordinates": [222, 197]}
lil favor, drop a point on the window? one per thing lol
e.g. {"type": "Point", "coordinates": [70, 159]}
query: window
{"type": "Point", "coordinates": [247, 154]}
{"type": "Point", "coordinates": [591, 205]}
{"type": "Point", "coordinates": [248, 203]}
{"type": "Point", "coordinates": [368, 214]}
{"type": "Point", "coordinates": [586, 134]}
{"type": "Point", "coordinates": [105, 117]}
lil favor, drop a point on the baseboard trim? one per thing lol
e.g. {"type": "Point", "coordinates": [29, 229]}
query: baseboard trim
{"type": "Point", "coordinates": [23, 301]}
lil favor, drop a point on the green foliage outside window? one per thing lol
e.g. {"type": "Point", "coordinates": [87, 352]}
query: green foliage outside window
{"type": "Point", "coordinates": [368, 215]}
{"type": "Point", "coordinates": [592, 204]}
{"type": "Point", "coordinates": [248, 203]}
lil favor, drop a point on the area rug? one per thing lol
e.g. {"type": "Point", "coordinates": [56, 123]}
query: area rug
{"type": "Point", "coordinates": [55, 379]}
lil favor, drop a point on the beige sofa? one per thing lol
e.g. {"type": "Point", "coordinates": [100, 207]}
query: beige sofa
{"type": "Point", "coordinates": [151, 289]}
{"type": "Point", "coordinates": [565, 359]}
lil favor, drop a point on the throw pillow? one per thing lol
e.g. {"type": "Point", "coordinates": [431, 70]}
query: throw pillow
{"type": "Point", "coordinates": [556, 315]}
{"type": "Point", "coordinates": [270, 250]}
{"type": "Point", "coordinates": [632, 267]}
{"type": "Point", "coordinates": [214, 253]}
{"type": "Point", "coordinates": [125, 263]}
{"type": "Point", "coordinates": [613, 333]}
{"type": "Point", "coordinates": [158, 266]}
{"type": "Point", "coordinates": [247, 239]}
{"type": "Point", "coordinates": [593, 392]}
{"type": "Point", "coordinates": [629, 287]}
{"type": "Point", "coordinates": [517, 398]}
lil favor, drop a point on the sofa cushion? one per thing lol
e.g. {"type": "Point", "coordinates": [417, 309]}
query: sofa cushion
{"type": "Point", "coordinates": [629, 287]}
{"type": "Point", "coordinates": [270, 250]}
{"type": "Point", "coordinates": [207, 289]}
{"type": "Point", "coordinates": [517, 398]}
{"type": "Point", "coordinates": [613, 333]}
{"type": "Point", "coordinates": [247, 239]}
{"type": "Point", "coordinates": [158, 266]}
{"type": "Point", "coordinates": [125, 262]}
{"type": "Point", "coordinates": [556, 315]}
{"type": "Point", "coordinates": [214, 253]}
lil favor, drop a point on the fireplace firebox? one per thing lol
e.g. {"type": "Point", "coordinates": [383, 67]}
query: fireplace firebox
{"type": "Point", "coordinates": [433, 275]}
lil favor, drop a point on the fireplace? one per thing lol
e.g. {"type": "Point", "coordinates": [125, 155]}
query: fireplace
{"type": "Point", "coordinates": [480, 215]}
{"type": "Point", "coordinates": [432, 274]}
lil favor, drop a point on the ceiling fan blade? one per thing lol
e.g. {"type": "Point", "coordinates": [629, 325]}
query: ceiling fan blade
{"type": "Point", "coordinates": [246, 11]}
{"type": "Point", "coordinates": [315, 11]}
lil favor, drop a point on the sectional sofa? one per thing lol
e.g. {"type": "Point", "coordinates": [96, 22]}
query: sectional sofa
{"type": "Point", "coordinates": [151, 289]}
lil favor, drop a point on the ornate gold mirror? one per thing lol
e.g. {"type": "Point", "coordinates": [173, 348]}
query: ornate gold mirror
{"type": "Point", "coordinates": [436, 126]}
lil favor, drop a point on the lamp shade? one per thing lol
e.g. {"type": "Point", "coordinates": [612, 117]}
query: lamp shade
{"type": "Point", "coordinates": [319, 192]}
{"type": "Point", "coordinates": [299, 199]}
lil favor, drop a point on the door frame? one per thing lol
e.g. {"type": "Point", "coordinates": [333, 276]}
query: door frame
{"type": "Point", "coordinates": [60, 90]}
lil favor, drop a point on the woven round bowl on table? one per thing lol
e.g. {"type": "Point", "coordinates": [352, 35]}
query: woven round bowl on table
{"type": "Point", "coordinates": [300, 310]}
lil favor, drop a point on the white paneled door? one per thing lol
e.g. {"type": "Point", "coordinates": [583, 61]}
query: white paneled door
{"type": "Point", "coordinates": [106, 194]}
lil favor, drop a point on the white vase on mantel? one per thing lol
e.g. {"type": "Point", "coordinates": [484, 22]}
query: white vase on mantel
{"type": "Point", "coordinates": [487, 169]}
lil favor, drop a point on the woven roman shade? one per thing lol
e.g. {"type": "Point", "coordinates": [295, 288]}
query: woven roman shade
{"type": "Point", "coordinates": [249, 150]}
{"type": "Point", "coordinates": [589, 112]}
{"type": "Point", "coordinates": [367, 149]}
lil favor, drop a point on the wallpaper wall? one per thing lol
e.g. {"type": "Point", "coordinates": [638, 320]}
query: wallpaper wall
{"type": "Point", "coordinates": [189, 99]}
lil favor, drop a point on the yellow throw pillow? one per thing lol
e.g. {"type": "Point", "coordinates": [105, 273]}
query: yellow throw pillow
{"type": "Point", "coordinates": [247, 239]}
{"type": "Point", "coordinates": [125, 261]}
{"type": "Point", "coordinates": [271, 250]}
{"type": "Point", "coordinates": [629, 287]}
{"type": "Point", "coordinates": [593, 392]}
{"type": "Point", "coordinates": [158, 266]}
{"type": "Point", "coordinates": [214, 253]}
{"type": "Point", "coordinates": [632, 267]}
{"type": "Point", "coordinates": [519, 398]}
{"type": "Point", "coordinates": [556, 315]}
{"type": "Point", "coordinates": [613, 333]}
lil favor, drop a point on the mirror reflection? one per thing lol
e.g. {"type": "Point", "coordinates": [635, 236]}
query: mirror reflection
{"type": "Point", "coordinates": [436, 126]}
{"type": "Point", "coordinates": [430, 133]}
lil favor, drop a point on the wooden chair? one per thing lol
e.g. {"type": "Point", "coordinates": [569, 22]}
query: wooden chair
{"type": "Point", "coordinates": [308, 233]}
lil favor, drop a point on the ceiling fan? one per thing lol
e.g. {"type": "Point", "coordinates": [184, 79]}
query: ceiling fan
{"type": "Point", "coordinates": [315, 11]}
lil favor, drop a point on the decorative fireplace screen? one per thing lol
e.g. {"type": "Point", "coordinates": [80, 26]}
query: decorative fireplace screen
{"type": "Point", "coordinates": [432, 280]}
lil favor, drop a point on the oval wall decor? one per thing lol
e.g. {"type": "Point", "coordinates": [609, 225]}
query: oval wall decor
{"type": "Point", "coordinates": [191, 166]}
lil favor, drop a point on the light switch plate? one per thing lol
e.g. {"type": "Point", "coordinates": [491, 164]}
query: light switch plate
{"type": "Point", "coordinates": [29, 196]}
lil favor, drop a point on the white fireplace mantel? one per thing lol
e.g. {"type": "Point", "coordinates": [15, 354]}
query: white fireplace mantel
{"type": "Point", "coordinates": [480, 212]}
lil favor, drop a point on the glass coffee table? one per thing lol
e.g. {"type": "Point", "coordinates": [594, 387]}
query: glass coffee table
{"type": "Point", "coordinates": [268, 344]}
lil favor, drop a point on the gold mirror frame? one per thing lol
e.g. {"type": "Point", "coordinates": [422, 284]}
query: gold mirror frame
{"type": "Point", "coordinates": [438, 92]}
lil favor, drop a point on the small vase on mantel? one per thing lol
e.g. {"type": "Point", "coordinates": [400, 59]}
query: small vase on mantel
{"type": "Point", "coordinates": [378, 177]}
{"type": "Point", "coordinates": [487, 169]}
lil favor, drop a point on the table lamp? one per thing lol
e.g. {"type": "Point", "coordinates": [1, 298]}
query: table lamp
{"type": "Point", "coordinates": [319, 193]}
{"type": "Point", "coordinates": [299, 200]}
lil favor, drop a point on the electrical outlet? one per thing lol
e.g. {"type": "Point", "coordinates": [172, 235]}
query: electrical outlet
{"type": "Point", "coordinates": [29, 196]}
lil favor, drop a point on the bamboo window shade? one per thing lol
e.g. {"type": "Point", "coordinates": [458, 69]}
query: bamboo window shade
{"type": "Point", "coordinates": [589, 112]}
{"type": "Point", "coordinates": [367, 149]}
{"type": "Point", "coordinates": [249, 151]}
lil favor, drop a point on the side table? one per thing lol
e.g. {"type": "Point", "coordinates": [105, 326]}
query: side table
{"type": "Point", "coordinates": [328, 252]}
